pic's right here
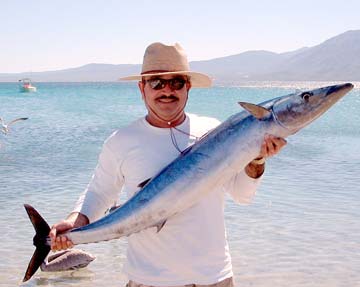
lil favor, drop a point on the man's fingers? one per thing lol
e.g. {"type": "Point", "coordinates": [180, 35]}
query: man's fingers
{"type": "Point", "coordinates": [271, 145]}
{"type": "Point", "coordinates": [63, 242]}
{"type": "Point", "coordinates": [277, 140]}
{"type": "Point", "coordinates": [52, 233]}
{"type": "Point", "coordinates": [60, 243]}
{"type": "Point", "coordinates": [278, 144]}
{"type": "Point", "coordinates": [69, 244]}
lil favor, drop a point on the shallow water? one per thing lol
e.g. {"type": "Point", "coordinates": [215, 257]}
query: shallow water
{"type": "Point", "coordinates": [301, 230]}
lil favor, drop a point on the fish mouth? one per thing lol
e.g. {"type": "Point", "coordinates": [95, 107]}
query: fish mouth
{"type": "Point", "coordinates": [340, 89]}
{"type": "Point", "coordinates": [334, 93]}
{"type": "Point", "coordinates": [307, 106]}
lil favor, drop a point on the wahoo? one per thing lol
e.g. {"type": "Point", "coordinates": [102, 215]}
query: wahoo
{"type": "Point", "coordinates": [209, 163]}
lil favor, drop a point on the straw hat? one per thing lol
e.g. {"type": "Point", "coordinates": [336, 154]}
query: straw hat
{"type": "Point", "coordinates": [160, 59]}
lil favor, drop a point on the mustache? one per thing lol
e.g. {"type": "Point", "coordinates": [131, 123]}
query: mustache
{"type": "Point", "coordinates": [171, 97]}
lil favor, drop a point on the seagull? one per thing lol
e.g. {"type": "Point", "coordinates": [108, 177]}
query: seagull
{"type": "Point", "coordinates": [5, 127]}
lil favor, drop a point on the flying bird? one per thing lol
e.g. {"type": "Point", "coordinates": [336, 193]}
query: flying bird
{"type": "Point", "coordinates": [5, 127]}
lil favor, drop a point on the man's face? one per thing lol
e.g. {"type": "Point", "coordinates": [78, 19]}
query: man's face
{"type": "Point", "coordinates": [165, 100]}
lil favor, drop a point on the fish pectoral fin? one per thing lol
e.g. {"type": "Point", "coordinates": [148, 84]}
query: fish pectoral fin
{"type": "Point", "coordinates": [258, 112]}
{"type": "Point", "coordinates": [56, 255]}
{"type": "Point", "coordinates": [142, 184]}
{"type": "Point", "coordinates": [160, 225]}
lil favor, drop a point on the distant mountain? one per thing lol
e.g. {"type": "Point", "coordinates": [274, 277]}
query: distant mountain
{"type": "Point", "coordinates": [87, 73]}
{"type": "Point", "coordinates": [238, 66]}
{"type": "Point", "coordinates": [333, 60]}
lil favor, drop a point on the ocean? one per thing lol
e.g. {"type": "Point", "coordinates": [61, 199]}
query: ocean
{"type": "Point", "coordinates": [302, 229]}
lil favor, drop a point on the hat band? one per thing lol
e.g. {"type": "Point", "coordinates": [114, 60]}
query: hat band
{"type": "Point", "coordinates": [158, 71]}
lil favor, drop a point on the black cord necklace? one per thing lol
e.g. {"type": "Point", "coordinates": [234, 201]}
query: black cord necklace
{"type": "Point", "coordinates": [173, 138]}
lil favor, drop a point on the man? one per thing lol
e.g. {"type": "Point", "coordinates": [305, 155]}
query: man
{"type": "Point", "coordinates": [191, 249]}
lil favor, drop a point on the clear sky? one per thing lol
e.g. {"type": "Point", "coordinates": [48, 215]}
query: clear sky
{"type": "Point", "coordinates": [48, 35]}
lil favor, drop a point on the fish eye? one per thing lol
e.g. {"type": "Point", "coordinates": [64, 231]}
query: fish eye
{"type": "Point", "coordinates": [306, 96]}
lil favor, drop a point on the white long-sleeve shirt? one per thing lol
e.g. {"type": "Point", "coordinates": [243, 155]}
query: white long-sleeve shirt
{"type": "Point", "coordinates": [191, 247]}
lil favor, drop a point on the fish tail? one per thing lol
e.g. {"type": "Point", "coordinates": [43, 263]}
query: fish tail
{"type": "Point", "coordinates": [42, 230]}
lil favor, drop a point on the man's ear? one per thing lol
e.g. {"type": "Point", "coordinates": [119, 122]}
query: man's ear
{"type": "Point", "coordinates": [141, 88]}
{"type": "Point", "coordinates": [188, 86]}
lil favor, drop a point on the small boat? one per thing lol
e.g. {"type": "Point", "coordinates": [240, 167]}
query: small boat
{"type": "Point", "coordinates": [26, 86]}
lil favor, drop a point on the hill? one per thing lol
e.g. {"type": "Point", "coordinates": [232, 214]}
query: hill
{"type": "Point", "coordinates": [336, 59]}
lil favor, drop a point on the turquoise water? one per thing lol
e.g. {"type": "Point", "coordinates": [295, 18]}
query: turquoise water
{"type": "Point", "coordinates": [303, 228]}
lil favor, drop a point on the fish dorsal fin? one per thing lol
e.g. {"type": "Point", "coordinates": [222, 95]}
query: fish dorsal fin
{"type": "Point", "coordinates": [142, 184]}
{"type": "Point", "coordinates": [258, 112]}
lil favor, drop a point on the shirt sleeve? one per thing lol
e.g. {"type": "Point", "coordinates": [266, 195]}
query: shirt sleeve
{"type": "Point", "coordinates": [242, 188]}
{"type": "Point", "coordinates": [104, 187]}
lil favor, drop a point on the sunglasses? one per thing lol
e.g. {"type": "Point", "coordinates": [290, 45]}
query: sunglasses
{"type": "Point", "coordinates": [175, 83]}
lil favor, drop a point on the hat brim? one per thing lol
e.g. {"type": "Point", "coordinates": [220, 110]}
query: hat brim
{"type": "Point", "coordinates": [198, 80]}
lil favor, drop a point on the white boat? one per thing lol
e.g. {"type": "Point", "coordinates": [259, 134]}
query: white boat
{"type": "Point", "coordinates": [26, 86]}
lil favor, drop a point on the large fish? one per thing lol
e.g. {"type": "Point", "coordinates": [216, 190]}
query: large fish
{"type": "Point", "coordinates": [209, 163]}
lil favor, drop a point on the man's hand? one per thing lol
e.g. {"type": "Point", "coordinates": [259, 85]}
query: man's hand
{"type": "Point", "coordinates": [270, 147]}
{"type": "Point", "coordinates": [61, 242]}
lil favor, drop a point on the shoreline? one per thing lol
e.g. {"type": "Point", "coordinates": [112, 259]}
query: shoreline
{"type": "Point", "coordinates": [232, 84]}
